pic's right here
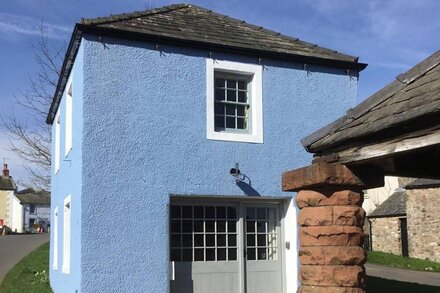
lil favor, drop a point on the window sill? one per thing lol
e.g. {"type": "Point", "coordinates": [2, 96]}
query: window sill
{"type": "Point", "coordinates": [237, 137]}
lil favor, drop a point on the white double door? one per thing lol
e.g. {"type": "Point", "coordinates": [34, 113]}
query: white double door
{"type": "Point", "coordinates": [218, 247]}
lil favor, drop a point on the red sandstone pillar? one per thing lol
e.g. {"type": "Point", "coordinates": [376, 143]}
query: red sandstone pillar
{"type": "Point", "coordinates": [330, 234]}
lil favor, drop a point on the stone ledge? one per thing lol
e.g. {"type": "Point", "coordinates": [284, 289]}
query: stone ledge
{"type": "Point", "coordinates": [331, 236]}
{"type": "Point", "coordinates": [328, 174]}
{"type": "Point", "coordinates": [332, 276]}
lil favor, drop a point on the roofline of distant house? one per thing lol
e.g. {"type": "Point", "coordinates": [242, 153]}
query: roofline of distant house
{"type": "Point", "coordinates": [81, 29]}
{"type": "Point", "coordinates": [387, 215]}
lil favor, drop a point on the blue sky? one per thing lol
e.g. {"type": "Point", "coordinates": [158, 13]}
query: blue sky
{"type": "Point", "coordinates": [390, 35]}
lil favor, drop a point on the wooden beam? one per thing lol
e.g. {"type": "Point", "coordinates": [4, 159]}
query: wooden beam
{"type": "Point", "coordinates": [418, 140]}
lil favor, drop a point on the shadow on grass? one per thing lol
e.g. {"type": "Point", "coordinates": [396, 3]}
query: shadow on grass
{"type": "Point", "coordinates": [379, 285]}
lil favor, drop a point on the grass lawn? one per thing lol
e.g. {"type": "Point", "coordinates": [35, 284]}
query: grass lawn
{"type": "Point", "coordinates": [395, 261]}
{"type": "Point", "coordinates": [30, 275]}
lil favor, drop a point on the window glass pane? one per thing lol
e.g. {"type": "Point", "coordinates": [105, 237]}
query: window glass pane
{"type": "Point", "coordinates": [210, 240]}
{"type": "Point", "coordinates": [198, 225]}
{"type": "Point", "coordinates": [210, 226]}
{"type": "Point", "coordinates": [261, 240]}
{"type": "Point", "coordinates": [262, 253]}
{"type": "Point", "coordinates": [272, 240]}
{"type": "Point", "coordinates": [187, 212]}
{"type": "Point", "coordinates": [221, 212]}
{"type": "Point", "coordinates": [272, 253]}
{"type": "Point", "coordinates": [199, 254]}
{"type": "Point", "coordinates": [250, 239]}
{"type": "Point", "coordinates": [219, 82]}
{"type": "Point", "coordinates": [232, 84]}
{"type": "Point", "coordinates": [241, 123]}
{"type": "Point", "coordinates": [221, 254]}
{"type": "Point", "coordinates": [242, 96]}
{"type": "Point", "coordinates": [221, 226]}
{"type": "Point", "coordinates": [175, 255]}
{"type": "Point", "coordinates": [210, 254]}
{"type": "Point", "coordinates": [241, 110]}
{"type": "Point", "coordinates": [175, 226]}
{"type": "Point", "coordinates": [261, 226]}
{"type": "Point", "coordinates": [232, 213]}
{"type": "Point", "coordinates": [175, 240]}
{"type": "Point", "coordinates": [187, 240]}
{"type": "Point", "coordinates": [219, 122]}
{"type": "Point", "coordinates": [219, 94]}
{"type": "Point", "coordinates": [232, 254]}
{"type": "Point", "coordinates": [198, 240]}
{"type": "Point", "coordinates": [251, 254]}
{"type": "Point", "coordinates": [175, 211]}
{"type": "Point", "coordinates": [221, 240]}
{"type": "Point", "coordinates": [210, 212]}
{"type": "Point", "coordinates": [232, 226]}
{"type": "Point", "coordinates": [187, 255]}
{"type": "Point", "coordinates": [219, 109]}
{"type": "Point", "coordinates": [187, 226]}
{"type": "Point", "coordinates": [232, 240]}
{"type": "Point", "coordinates": [230, 109]}
{"type": "Point", "coordinates": [242, 84]}
{"type": "Point", "coordinates": [250, 213]}
{"type": "Point", "coordinates": [261, 213]}
{"type": "Point", "coordinates": [232, 95]}
{"type": "Point", "coordinates": [250, 226]}
{"type": "Point", "coordinates": [230, 122]}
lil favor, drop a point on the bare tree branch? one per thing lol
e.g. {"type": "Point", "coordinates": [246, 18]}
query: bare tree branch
{"type": "Point", "coordinates": [30, 136]}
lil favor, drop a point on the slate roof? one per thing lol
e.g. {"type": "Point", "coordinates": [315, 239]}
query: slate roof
{"type": "Point", "coordinates": [395, 205]}
{"type": "Point", "coordinates": [7, 183]}
{"type": "Point", "coordinates": [423, 183]}
{"type": "Point", "coordinates": [190, 25]}
{"type": "Point", "coordinates": [30, 196]}
{"type": "Point", "coordinates": [412, 95]}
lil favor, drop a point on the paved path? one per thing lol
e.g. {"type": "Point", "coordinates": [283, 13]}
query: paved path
{"type": "Point", "coordinates": [424, 278]}
{"type": "Point", "coordinates": [14, 247]}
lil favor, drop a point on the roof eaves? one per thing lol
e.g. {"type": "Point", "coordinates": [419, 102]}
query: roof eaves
{"type": "Point", "coordinates": [311, 142]}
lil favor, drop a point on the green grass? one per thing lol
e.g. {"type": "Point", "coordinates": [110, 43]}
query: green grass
{"type": "Point", "coordinates": [395, 261]}
{"type": "Point", "coordinates": [30, 275]}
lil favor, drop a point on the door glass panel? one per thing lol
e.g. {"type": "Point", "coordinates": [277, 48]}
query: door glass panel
{"type": "Point", "coordinates": [261, 233]}
{"type": "Point", "coordinates": [203, 233]}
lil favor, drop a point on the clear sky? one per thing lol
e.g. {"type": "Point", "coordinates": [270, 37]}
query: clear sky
{"type": "Point", "coordinates": [390, 35]}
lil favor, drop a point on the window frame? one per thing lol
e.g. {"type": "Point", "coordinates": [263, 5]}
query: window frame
{"type": "Point", "coordinates": [254, 134]}
{"type": "Point", "coordinates": [67, 232]}
{"type": "Point", "coordinates": [32, 209]}
{"type": "Point", "coordinates": [69, 120]}
{"type": "Point", "coordinates": [55, 239]}
{"type": "Point", "coordinates": [57, 142]}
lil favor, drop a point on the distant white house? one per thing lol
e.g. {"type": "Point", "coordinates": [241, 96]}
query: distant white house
{"type": "Point", "coordinates": [35, 209]}
{"type": "Point", "coordinates": [22, 210]}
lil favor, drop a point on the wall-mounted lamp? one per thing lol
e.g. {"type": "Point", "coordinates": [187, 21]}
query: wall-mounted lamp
{"type": "Point", "coordinates": [235, 172]}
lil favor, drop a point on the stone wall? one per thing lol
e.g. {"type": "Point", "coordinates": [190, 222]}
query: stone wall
{"type": "Point", "coordinates": [386, 235]}
{"type": "Point", "coordinates": [423, 210]}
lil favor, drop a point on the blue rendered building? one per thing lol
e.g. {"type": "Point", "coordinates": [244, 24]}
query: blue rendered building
{"type": "Point", "coordinates": [170, 131]}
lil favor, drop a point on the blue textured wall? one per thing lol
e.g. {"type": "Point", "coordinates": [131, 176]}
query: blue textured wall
{"type": "Point", "coordinates": [144, 138]}
{"type": "Point", "coordinates": [68, 181]}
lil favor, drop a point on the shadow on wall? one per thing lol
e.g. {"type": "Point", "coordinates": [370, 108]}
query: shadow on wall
{"type": "Point", "coordinates": [379, 285]}
{"type": "Point", "coordinates": [246, 187]}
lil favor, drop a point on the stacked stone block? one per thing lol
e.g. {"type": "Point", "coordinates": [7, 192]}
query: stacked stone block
{"type": "Point", "coordinates": [330, 234]}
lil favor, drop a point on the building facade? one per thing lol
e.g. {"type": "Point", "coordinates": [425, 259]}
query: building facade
{"type": "Point", "coordinates": [9, 206]}
{"type": "Point", "coordinates": [166, 164]}
{"type": "Point", "coordinates": [35, 207]}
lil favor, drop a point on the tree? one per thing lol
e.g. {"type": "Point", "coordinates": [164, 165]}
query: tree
{"type": "Point", "coordinates": [30, 136]}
